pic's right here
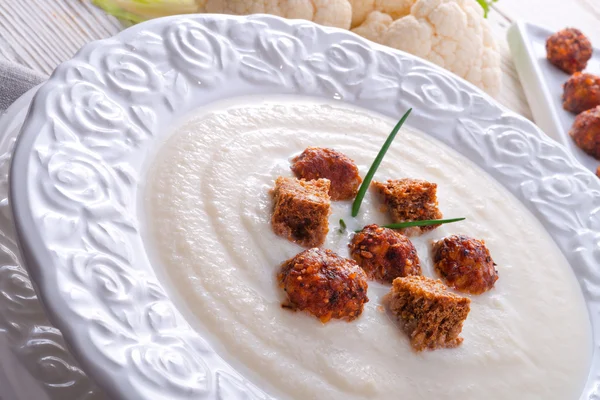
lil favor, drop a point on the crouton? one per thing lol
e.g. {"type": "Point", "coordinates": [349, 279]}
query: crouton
{"type": "Point", "coordinates": [324, 284]}
{"type": "Point", "coordinates": [315, 163]}
{"type": "Point", "coordinates": [429, 313]}
{"type": "Point", "coordinates": [465, 264]}
{"type": "Point", "coordinates": [410, 200]}
{"type": "Point", "coordinates": [384, 254]}
{"type": "Point", "coordinates": [301, 210]}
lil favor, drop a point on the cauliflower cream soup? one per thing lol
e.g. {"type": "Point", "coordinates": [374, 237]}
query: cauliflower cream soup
{"type": "Point", "coordinates": [208, 205]}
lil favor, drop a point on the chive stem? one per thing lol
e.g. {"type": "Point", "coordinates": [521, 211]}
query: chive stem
{"type": "Point", "coordinates": [367, 181]}
{"type": "Point", "coordinates": [426, 222]}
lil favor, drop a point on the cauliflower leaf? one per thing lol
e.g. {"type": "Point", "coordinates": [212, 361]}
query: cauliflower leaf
{"type": "Point", "coordinates": [485, 4]}
{"type": "Point", "coordinates": [141, 10]}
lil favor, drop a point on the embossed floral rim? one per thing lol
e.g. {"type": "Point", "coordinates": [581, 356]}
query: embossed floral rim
{"type": "Point", "coordinates": [38, 348]}
{"type": "Point", "coordinates": [75, 176]}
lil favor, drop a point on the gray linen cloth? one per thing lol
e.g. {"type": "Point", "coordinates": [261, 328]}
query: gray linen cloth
{"type": "Point", "coordinates": [14, 81]}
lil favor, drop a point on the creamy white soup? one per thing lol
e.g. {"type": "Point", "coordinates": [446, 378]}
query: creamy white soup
{"type": "Point", "coordinates": [208, 206]}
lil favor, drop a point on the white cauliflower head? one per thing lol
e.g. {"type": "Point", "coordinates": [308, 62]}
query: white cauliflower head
{"type": "Point", "coordinates": [376, 24]}
{"type": "Point", "coordinates": [394, 8]}
{"type": "Point", "coordinates": [336, 13]}
{"type": "Point", "coordinates": [451, 33]}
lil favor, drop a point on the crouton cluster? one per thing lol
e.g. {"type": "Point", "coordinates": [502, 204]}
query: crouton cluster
{"type": "Point", "coordinates": [328, 286]}
{"type": "Point", "coordinates": [570, 50]}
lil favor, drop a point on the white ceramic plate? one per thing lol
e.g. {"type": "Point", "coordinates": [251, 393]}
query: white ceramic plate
{"type": "Point", "coordinates": [77, 167]}
{"type": "Point", "coordinates": [34, 360]}
{"type": "Point", "coordinates": [543, 82]}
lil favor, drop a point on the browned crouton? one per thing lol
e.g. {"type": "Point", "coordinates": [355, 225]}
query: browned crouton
{"type": "Point", "coordinates": [301, 210]}
{"type": "Point", "coordinates": [430, 314]}
{"type": "Point", "coordinates": [324, 284]}
{"type": "Point", "coordinates": [410, 200]}
{"type": "Point", "coordinates": [569, 49]}
{"type": "Point", "coordinates": [465, 264]}
{"type": "Point", "coordinates": [315, 163]}
{"type": "Point", "coordinates": [384, 254]}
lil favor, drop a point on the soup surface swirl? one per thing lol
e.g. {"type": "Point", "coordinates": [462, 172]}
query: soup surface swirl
{"type": "Point", "coordinates": [208, 209]}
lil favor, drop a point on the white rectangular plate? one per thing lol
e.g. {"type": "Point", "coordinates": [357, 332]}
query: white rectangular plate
{"type": "Point", "coordinates": [543, 82]}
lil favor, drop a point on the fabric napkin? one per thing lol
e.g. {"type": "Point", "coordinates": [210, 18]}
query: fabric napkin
{"type": "Point", "coordinates": [14, 81]}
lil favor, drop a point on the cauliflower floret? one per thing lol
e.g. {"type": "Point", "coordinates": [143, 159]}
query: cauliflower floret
{"type": "Point", "coordinates": [374, 27]}
{"type": "Point", "coordinates": [394, 8]}
{"type": "Point", "coordinates": [336, 13]}
{"type": "Point", "coordinates": [450, 33]}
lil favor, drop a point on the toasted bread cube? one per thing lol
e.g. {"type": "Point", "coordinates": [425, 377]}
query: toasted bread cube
{"type": "Point", "coordinates": [569, 49]}
{"type": "Point", "coordinates": [316, 162]}
{"type": "Point", "coordinates": [301, 211]}
{"type": "Point", "coordinates": [465, 264]}
{"type": "Point", "coordinates": [429, 313]}
{"type": "Point", "coordinates": [410, 200]}
{"type": "Point", "coordinates": [324, 284]}
{"type": "Point", "coordinates": [384, 253]}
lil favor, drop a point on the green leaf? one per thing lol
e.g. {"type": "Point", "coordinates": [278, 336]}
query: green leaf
{"type": "Point", "coordinates": [141, 10]}
{"type": "Point", "coordinates": [485, 4]}
{"type": "Point", "coordinates": [369, 177]}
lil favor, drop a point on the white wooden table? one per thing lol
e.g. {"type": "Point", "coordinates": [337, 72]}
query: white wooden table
{"type": "Point", "coordinates": [41, 34]}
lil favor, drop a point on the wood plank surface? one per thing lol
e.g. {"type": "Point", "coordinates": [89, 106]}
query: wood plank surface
{"type": "Point", "coordinates": [556, 14]}
{"type": "Point", "coordinates": [40, 34]}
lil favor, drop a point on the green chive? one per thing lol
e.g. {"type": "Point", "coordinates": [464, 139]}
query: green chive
{"type": "Point", "coordinates": [425, 222]}
{"type": "Point", "coordinates": [365, 185]}
{"type": "Point", "coordinates": [342, 226]}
